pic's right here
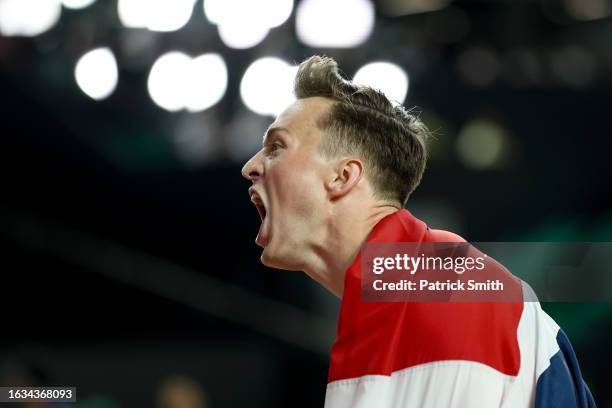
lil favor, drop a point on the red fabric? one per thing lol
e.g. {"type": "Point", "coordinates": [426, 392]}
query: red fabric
{"type": "Point", "coordinates": [383, 337]}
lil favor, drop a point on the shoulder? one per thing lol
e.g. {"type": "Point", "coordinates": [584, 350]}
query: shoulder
{"type": "Point", "coordinates": [436, 235]}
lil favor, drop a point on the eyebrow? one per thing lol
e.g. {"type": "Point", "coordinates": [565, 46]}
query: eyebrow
{"type": "Point", "coordinates": [273, 129]}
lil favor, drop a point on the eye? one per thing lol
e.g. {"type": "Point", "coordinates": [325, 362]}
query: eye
{"type": "Point", "coordinates": [273, 147]}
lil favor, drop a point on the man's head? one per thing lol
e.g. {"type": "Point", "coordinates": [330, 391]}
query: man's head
{"type": "Point", "coordinates": [338, 146]}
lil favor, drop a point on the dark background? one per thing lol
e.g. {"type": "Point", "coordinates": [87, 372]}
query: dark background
{"type": "Point", "coordinates": [126, 261]}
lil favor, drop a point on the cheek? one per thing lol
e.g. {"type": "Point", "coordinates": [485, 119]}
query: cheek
{"type": "Point", "coordinates": [298, 187]}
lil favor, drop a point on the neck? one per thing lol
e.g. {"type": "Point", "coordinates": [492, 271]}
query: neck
{"type": "Point", "coordinates": [345, 233]}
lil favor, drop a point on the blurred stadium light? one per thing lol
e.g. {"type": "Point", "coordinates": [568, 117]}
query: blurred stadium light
{"type": "Point", "coordinates": [155, 15]}
{"type": "Point", "coordinates": [216, 10]}
{"type": "Point", "coordinates": [77, 4]}
{"type": "Point", "coordinates": [243, 23]}
{"type": "Point", "coordinates": [389, 78]}
{"type": "Point", "coordinates": [271, 13]}
{"type": "Point", "coordinates": [97, 74]}
{"type": "Point", "coordinates": [167, 79]}
{"type": "Point", "coordinates": [574, 66]}
{"type": "Point", "coordinates": [28, 17]}
{"type": "Point", "coordinates": [242, 33]}
{"type": "Point", "coordinates": [482, 144]}
{"type": "Point", "coordinates": [586, 10]}
{"type": "Point", "coordinates": [132, 13]}
{"type": "Point", "coordinates": [319, 25]}
{"type": "Point", "coordinates": [176, 81]}
{"type": "Point", "coordinates": [266, 87]}
{"type": "Point", "coordinates": [397, 8]}
{"type": "Point", "coordinates": [207, 82]}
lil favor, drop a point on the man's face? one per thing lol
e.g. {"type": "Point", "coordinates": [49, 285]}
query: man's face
{"type": "Point", "coordinates": [288, 176]}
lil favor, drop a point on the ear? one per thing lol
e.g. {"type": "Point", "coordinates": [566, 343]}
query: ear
{"type": "Point", "coordinates": [345, 177]}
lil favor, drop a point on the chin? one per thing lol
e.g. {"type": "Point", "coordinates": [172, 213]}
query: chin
{"type": "Point", "coordinates": [277, 262]}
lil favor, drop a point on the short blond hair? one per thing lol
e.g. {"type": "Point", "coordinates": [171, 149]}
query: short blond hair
{"type": "Point", "coordinates": [390, 139]}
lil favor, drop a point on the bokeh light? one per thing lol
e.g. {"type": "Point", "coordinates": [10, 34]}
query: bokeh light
{"type": "Point", "coordinates": [266, 87]}
{"type": "Point", "coordinates": [242, 34]}
{"type": "Point", "coordinates": [405, 7]}
{"type": "Point", "coordinates": [574, 66]}
{"type": "Point", "coordinates": [28, 17]}
{"type": "Point", "coordinates": [481, 144]}
{"type": "Point", "coordinates": [132, 13]}
{"type": "Point", "coordinates": [155, 15]}
{"type": "Point", "coordinates": [277, 12]}
{"type": "Point", "coordinates": [96, 73]}
{"type": "Point", "coordinates": [207, 82]}
{"type": "Point", "coordinates": [166, 82]}
{"type": "Point", "coordinates": [77, 4]}
{"type": "Point", "coordinates": [387, 77]}
{"type": "Point", "coordinates": [586, 10]}
{"type": "Point", "coordinates": [243, 23]}
{"type": "Point", "coordinates": [269, 13]}
{"type": "Point", "coordinates": [334, 24]}
{"type": "Point", "coordinates": [176, 81]}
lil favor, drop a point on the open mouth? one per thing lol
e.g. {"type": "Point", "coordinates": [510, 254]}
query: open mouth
{"type": "Point", "coordinates": [264, 229]}
{"type": "Point", "coordinates": [256, 199]}
{"type": "Point", "coordinates": [263, 235]}
{"type": "Point", "coordinates": [261, 208]}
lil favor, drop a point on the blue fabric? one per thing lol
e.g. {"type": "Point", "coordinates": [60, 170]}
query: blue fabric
{"type": "Point", "coordinates": [561, 384]}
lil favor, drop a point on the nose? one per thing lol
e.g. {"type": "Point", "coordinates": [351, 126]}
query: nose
{"type": "Point", "coordinates": [253, 169]}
